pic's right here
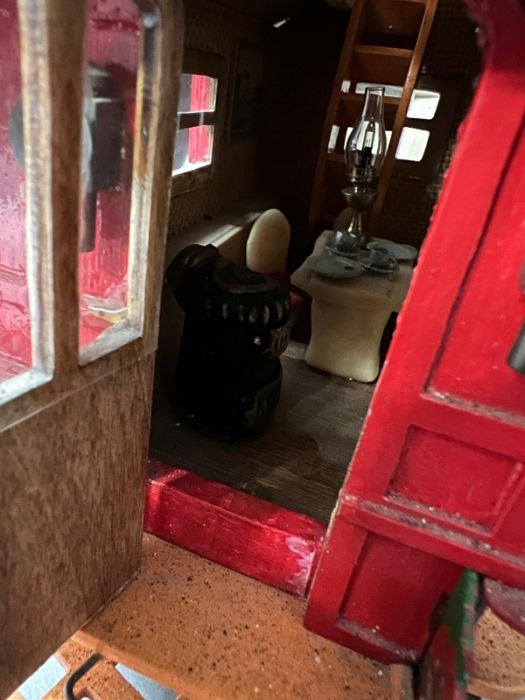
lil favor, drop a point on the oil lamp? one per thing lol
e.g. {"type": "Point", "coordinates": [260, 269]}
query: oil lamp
{"type": "Point", "coordinates": [364, 152]}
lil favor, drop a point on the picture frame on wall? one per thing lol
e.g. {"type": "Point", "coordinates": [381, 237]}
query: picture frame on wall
{"type": "Point", "coordinates": [246, 97]}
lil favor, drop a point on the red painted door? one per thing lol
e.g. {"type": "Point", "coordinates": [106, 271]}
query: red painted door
{"type": "Point", "coordinates": [438, 482]}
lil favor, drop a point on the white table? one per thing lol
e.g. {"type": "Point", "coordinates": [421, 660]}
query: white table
{"type": "Point", "coordinates": [349, 317]}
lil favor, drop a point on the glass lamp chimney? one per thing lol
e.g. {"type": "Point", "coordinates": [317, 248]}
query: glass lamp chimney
{"type": "Point", "coordinates": [366, 147]}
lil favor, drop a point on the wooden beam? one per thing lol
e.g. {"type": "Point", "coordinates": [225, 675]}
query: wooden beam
{"type": "Point", "coordinates": [246, 534]}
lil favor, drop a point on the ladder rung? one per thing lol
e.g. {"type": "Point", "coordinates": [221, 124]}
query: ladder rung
{"type": "Point", "coordinates": [391, 51]}
{"type": "Point", "coordinates": [359, 97]}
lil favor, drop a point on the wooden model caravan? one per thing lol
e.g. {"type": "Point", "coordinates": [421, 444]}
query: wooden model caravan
{"type": "Point", "coordinates": [367, 539]}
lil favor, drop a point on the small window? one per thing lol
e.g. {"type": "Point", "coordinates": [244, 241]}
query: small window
{"type": "Point", "coordinates": [196, 122]}
{"type": "Point", "coordinates": [334, 135]}
{"type": "Point", "coordinates": [412, 144]}
{"type": "Point", "coordinates": [423, 104]}
{"type": "Point", "coordinates": [26, 326]}
{"type": "Point", "coordinates": [120, 120]}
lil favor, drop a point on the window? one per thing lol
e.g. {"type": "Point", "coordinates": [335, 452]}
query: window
{"type": "Point", "coordinates": [412, 144]}
{"type": "Point", "coordinates": [119, 123]}
{"type": "Point", "coordinates": [196, 122]}
{"type": "Point", "coordinates": [26, 345]}
{"type": "Point", "coordinates": [423, 104]}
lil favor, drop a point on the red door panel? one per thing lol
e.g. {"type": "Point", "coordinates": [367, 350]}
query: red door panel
{"type": "Point", "coordinates": [437, 482]}
{"type": "Point", "coordinates": [472, 361]}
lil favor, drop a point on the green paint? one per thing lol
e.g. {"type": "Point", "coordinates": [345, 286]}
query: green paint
{"type": "Point", "coordinates": [459, 621]}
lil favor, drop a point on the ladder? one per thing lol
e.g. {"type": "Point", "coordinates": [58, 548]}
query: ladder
{"type": "Point", "coordinates": [384, 44]}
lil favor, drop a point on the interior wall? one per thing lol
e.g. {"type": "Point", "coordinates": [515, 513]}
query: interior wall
{"type": "Point", "coordinates": [452, 55]}
{"type": "Point", "coordinates": [214, 29]}
{"type": "Point", "coordinates": [302, 60]}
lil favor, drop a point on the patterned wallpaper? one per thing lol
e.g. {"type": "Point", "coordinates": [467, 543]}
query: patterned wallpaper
{"type": "Point", "coordinates": [214, 29]}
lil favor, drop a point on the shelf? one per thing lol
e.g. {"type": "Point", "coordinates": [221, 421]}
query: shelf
{"type": "Point", "coordinates": [380, 64]}
{"type": "Point", "coordinates": [299, 462]}
{"type": "Point", "coordinates": [354, 97]}
{"type": "Point", "coordinates": [208, 632]}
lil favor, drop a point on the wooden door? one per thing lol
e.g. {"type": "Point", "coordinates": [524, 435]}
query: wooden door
{"type": "Point", "coordinates": [438, 480]}
{"type": "Point", "coordinates": [88, 96]}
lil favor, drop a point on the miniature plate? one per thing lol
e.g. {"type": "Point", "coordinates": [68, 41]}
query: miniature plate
{"type": "Point", "coordinates": [335, 266]}
{"type": "Point", "coordinates": [401, 251]}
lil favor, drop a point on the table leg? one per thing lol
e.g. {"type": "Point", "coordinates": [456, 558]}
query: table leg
{"type": "Point", "coordinates": [346, 341]}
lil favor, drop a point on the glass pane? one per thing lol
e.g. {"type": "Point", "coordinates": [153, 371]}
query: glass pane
{"type": "Point", "coordinates": [423, 104]}
{"type": "Point", "coordinates": [193, 148]}
{"type": "Point", "coordinates": [112, 49]}
{"type": "Point", "coordinates": [197, 93]}
{"type": "Point", "coordinates": [412, 144]}
{"type": "Point", "coordinates": [334, 133]}
{"type": "Point", "coordinates": [25, 328]}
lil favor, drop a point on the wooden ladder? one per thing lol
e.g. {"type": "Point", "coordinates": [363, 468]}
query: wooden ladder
{"type": "Point", "coordinates": [384, 44]}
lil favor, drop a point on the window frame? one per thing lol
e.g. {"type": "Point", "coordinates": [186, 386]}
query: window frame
{"type": "Point", "coordinates": [36, 92]}
{"type": "Point", "coordinates": [214, 66]}
{"type": "Point", "coordinates": [65, 38]}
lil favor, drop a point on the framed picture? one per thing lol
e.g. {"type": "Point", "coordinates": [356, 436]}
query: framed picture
{"type": "Point", "coordinates": [247, 92]}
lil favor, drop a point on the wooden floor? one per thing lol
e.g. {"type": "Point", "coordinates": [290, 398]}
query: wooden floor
{"type": "Point", "coordinates": [299, 462]}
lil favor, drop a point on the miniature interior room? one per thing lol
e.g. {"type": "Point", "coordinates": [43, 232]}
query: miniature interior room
{"type": "Point", "coordinates": [269, 98]}
{"type": "Point", "coordinates": [178, 412]}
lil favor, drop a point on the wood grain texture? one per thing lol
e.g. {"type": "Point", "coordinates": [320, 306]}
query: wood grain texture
{"type": "Point", "coordinates": [74, 450]}
{"type": "Point", "coordinates": [72, 505]}
{"type": "Point", "coordinates": [244, 533]}
{"type": "Point", "coordinates": [65, 27]}
{"type": "Point", "coordinates": [299, 462]}
{"type": "Point", "coordinates": [212, 634]}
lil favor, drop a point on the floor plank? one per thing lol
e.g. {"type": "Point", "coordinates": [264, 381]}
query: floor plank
{"type": "Point", "coordinates": [299, 462]}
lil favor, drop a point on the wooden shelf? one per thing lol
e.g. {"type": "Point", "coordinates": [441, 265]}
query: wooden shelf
{"type": "Point", "coordinates": [380, 64]}
{"type": "Point", "coordinates": [299, 462]}
{"type": "Point", "coordinates": [354, 97]}
{"type": "Point", "coordinates": [210, 633]}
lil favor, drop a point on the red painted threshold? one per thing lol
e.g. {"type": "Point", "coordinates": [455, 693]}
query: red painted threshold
{"type": "Point", "coordinates": [239, 531]}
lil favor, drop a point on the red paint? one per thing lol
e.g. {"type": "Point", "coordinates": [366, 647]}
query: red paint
{"type": "Point", "coordinates": [231, 528]}
{"type": "Point", "coordinates": [437, 482]}
{"type": "Point", "coordinates": [112, 42]}
{"type": "Point", "coordinates": [199, 140]}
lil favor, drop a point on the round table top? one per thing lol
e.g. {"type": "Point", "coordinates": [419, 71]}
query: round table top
{"type": "Point", "coordinates": [366, 290]}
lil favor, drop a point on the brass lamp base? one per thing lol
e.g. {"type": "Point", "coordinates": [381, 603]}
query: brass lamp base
{"type": "Point", "coordinates": [348, 241]}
